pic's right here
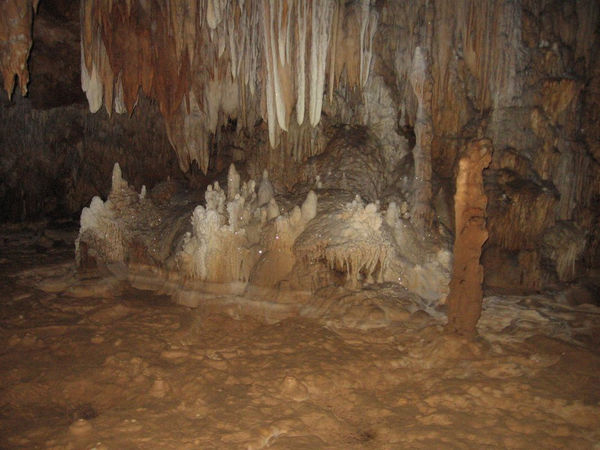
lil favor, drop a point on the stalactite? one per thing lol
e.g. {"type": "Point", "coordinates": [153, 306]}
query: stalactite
{"type": "Point", "coordinates": [367, 33]}
{"type": "Point", "coordinates": [271, 87]}
{"type": "Point", "coordinates": [277, 53]}
{"type": "Point", "coordinates": [420, 79]}
{"type": "Point", "coordinates": [16, 23]}
{"type": "Point", "coordinates": [92, 86]}
{"type": "Point", "coordinates": [486, 48]}
{"type": "Point", "coordinates": [300, 60]}
{"type": "Point", "coordinates": [321, 24]}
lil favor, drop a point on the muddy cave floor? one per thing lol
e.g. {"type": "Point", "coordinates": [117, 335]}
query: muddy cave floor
{"type": "Point", "coordinates": [99, 364]}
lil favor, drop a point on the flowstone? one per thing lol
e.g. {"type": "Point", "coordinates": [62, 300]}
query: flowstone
{"type": "Point", "coordinates": [244, 239]}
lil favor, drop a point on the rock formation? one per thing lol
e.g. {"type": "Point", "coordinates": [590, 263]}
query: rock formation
{"type": "Point", "coordinates": [240, 239]}
{"type": "Point", "coordinates": [268, 85]}
{"type": "Point", "coordinates": [263, 196]}
{"type": "Point", "coordinates": [470, 203]}
{"type": "Point", "coordinates": [15, 37]}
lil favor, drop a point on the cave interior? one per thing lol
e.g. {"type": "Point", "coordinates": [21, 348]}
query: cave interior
{"type": "Point", "coordinates": [300, 224]}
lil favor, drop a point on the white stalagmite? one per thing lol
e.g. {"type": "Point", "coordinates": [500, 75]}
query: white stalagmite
{"type": "Point", "coordinates": [101, 225]}
{"type": "Point", "coordinates": [221, 246]}
{"type": "Point", "coordinates": [235, 211]}
{"type": "Point", "coordinates": [233, 182]}
{"type": "Point", "coordinates": [215, 198]}
{"type": "Point", "coordinates": [117, 179]}
{"type": "Point", "coordinates": [391, 215]}
{"type": "Point", "coordinates": [217, 249]}
{"type": "Point", "coordinates": [309, 207]}
{"type": "Point", "coordinates": [272, 210]}
{"type": "Point", "coordinates": [265, 190]}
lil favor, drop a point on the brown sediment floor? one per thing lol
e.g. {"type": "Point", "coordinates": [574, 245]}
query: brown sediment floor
{"type": "Point", "coordinates": [89, 362]}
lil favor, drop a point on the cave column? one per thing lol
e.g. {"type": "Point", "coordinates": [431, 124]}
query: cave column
{"type": "Point", "coordinates": [466, 294]}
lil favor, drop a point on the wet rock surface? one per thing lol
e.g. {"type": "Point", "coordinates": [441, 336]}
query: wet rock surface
{"type": "Point", "coordinates": [89, 363]}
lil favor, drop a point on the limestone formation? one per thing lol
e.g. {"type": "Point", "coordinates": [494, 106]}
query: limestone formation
{"type": "Point", "coordinates": [16, 23]}
{"type": "Point", "coordinates": [242, 59]}
{"type": "Point", "coordinates": [470, 203]}
{"type": "Point", "coordinates": [244, 240]}
{"type": "Point", "coordinates": [344, 98]}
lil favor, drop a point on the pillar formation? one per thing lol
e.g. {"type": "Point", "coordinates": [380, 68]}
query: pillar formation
{"type": "Point", "coordinates": [470, 202]}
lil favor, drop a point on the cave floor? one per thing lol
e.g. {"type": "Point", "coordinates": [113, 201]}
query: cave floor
{"type": "Point", "coordinates": [103, 365]}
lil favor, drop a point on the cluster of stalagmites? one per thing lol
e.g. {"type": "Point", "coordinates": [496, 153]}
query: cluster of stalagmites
{"type": "Point", "coordinates": [205, 61]}
{"type": "Point", "coordinates": [246, 236]}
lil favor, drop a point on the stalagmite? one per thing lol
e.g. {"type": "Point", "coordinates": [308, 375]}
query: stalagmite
{"type": "Point", "coordinates": [309, 207]}
{"type": "Point", "coordinates": [265, 190]}
{"type": "Point", "coordinates": [470, 202]}
{"type": "Point", "coordinates": [272, 210]}
{"type": "Point", "coordinates": [233, 183]}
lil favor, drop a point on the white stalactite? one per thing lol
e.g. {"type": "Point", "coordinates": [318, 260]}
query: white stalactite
{"type": "Point", "coordinates": [320, 35]}
{"type": "Point", "coordinates": [257, 54]}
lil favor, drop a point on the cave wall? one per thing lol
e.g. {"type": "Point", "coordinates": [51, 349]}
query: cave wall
{"type": "Point", "coordinates": [525, 75]}
{"type": "Point", "coordinates": [53, 161]}
{"type": "Point", "coordinates": [54, 155]}
{"type": "Point", "coordinates": [266, 82]}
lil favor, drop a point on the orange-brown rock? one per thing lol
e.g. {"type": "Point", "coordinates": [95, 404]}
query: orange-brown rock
{"type": "Point", "coordinates": [15, 42]}
{"type": "Point", "coordinates": [470, 202]}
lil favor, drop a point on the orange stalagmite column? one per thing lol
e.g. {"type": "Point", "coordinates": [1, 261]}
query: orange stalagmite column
{"type": "Point", "coordinates": [470, 202]}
